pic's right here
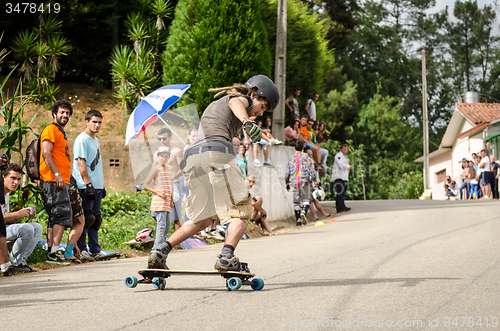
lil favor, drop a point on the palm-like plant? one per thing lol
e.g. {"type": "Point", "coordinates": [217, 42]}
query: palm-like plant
{"type": "Point", "coordinates": [50, 28]}
{"type": "Point", "coordinates": [57, 46]}
{"type": "Point", "coordinates": [121, 65]}
{"type": "Point", "coordinates": [137, 31]}
{"type": "Point", "coordinates": [23, 47]}
{"type": "Point", "coordinates": [161, 9]}
{"type": "Point", "coordinates": [41, 51]}
{"type": "Point", "coordinates": [3, 52]}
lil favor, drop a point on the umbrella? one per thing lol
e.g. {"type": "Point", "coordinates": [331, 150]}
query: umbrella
{"type": "Point", "coordinates": [152, 107]}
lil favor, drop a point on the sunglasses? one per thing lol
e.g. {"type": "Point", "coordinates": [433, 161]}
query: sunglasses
{"type": "Point", "coordinates": [162, 138]}
{"type": "Point", "coordinates": [251, 181]}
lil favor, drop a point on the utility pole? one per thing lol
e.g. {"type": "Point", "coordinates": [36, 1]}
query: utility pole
{"type": "Point", "coordinates": [280, 71]}
{"type": "Point", "coordinates": [426, 123]}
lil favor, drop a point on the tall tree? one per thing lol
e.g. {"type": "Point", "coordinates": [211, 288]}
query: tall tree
{"type": "Point", "coordinates": [463, 39]}
{"type": "Point", "coordinates": [213, 44]}
{"type": "Point", "coordinates": [309, 61]}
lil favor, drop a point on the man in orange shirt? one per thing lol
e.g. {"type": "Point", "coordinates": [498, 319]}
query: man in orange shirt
{"type": "Point", "coordinates": [309, 147]}
{"type": "Point", "coordinates": [55, 173]}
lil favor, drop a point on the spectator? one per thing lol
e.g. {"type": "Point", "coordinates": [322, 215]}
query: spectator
{"type": "Point", "coordinates": [236, 145]}
{"type": "Point", "coordinates": [291, 132]}
{"type": "Point", "coordinates": [466, 182]}
{"type": "Point", "coordinates": [162, 202]}
{"type": "Point", "coordinates": [494, 169]}
{"type": "Point", "coordinates": [340, 176]}
{"type": "Point", "coordinates": [311, 106]}
{"type": "Point", "coordinates": [318, 206]}
{"type": "Point", "coordinates": [192, 134]}
{"type": "Point", "coordinates": [268, 129]}
{"type": "Point", "coordinates": [486, 178]}
{"type": "Point", "coordinates": [450, 188]}
{"type": "Point", "coordinates": [294, 107]}
{"type": "Point", "coordinates": [55, 173]}
{"type": "Point", "coordinates": [322, 137]}
{"type": "Point", "coordinates": [165, 138]}
{"type": "Point", "coordinates": [472, 181]}
{"type": "Point", "coordinates": [310, 147]}
{"type": "Point", "coordinates": [5, 264]}
{"type": "Point", "coordinates": [300, 175]}
{"type": "Point", "coordinates": [259, 215]}
{"type": "Point", "coordinates": [264, 143]}
{"type": "Point", "coordinates": [89, 176]}
{"type": "Point", "coordinates": [241, 159]}
{"type": "Point", "coordinates": [24, 236]}
{"type": "Point", "coordinates": [247, 143]}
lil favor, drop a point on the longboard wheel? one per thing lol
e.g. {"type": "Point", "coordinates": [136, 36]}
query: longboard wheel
{"type": "Point", "coordinates": [131, 281]}
{"type": "Point", "coordinates": [234, 283]}
{"type": "Point", "coordinates": [159, 283]}
{"type": "Point", "coordinates": [257, 284]}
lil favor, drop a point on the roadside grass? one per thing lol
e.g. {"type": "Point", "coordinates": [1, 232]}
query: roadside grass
{"type": "Point", "coordinates": [124, 214]}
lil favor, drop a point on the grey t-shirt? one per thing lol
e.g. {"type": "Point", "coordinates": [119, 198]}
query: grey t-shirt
{"type": "Point", "coordinates": [218, 121]}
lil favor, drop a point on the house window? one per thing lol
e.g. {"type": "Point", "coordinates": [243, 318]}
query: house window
{"type": "Point", "coordinates": [441, 176]}
{"type": "Point", "coordinates": [114, 162]}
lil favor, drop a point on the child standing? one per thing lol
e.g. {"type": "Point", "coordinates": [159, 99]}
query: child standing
{"type": "Point", "coordinates": [162, 202]}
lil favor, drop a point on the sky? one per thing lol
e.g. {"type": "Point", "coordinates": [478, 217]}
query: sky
{"type": "Point", "coordinates": [441, 4]}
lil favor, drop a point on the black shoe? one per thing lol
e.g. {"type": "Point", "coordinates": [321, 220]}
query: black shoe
{"type": "Point", "coordinates": [299, 223]}
{"type": "Point", "coordinates": [8, 272]}
{"type": "Point", "coordinates": [19, 269]}
{"type": "Point", "coordinates": [347, 209]}
{"type": "Point", "coordinates": [26, 267]}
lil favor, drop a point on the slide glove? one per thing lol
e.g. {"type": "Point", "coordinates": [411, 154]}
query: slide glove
{"type": "Point", "coordinates": [253, 130]}
{"type": "Point", "coordinates": [91, 193]}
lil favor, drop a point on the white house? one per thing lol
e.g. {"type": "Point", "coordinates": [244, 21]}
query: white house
{"type": "Point", "coordinates": [472, 127]}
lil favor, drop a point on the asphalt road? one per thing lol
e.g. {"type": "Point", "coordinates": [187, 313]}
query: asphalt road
{"type": "Point", "coordinates": [408, 265]}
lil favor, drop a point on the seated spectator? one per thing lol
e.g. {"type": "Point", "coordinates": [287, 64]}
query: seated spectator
{"type": "Point", "coordinates": [310, 147]}
{"type": "Point", "coordinates": [264, 143]}
{"type": "Point", "coordinates": [241, 159]}
{"type": "Point", "coordinates": [318, 206]}
{"type": "Point", "coordinates": [450, 188]}
{"type": "Point", "coordinates": [24, 236]}
{"type": "Point", "coordinates": [268, 129]}
{"type": "Point", "coordinates": [322, 137]}
{"type": "Point", "coordinates": [465, 187]}
{"type": "Point", "coordinates": [291, 133]}
{"type": "Point", "coordinates": [259, 215]}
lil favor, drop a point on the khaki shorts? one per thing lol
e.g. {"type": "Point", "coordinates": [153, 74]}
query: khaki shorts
{"type": "Point", "coordinates": [216, 188]}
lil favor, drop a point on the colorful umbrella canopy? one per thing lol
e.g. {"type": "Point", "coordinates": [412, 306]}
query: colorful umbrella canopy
{"type": "Point", "coordinates": [151, 107]}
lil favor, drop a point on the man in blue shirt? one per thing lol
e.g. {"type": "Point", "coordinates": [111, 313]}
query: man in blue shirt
{"type": "Point", "coordinates": [88, 173]}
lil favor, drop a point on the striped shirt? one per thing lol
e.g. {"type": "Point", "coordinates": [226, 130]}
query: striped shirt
{"type": "Point", "coordinates": [163, 183]}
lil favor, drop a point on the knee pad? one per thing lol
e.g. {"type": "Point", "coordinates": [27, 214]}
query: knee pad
{"type": "Point", "coordinates": [89, 218]}
{"type": "Point", "coordinates": [97, 222]}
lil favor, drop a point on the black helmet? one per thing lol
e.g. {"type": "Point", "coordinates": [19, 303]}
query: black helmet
{"type": "Point", "coordinates": [267, 89]}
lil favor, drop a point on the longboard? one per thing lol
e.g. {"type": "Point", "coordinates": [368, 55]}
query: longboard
{"type": "Point", "coordinates": [135, 242]}
{"type": "Point", "coordinates": [108, 255]}
{"type": "Point", "coordinates": [234, 279]}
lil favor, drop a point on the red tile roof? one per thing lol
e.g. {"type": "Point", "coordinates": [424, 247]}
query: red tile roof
{"type": "Point", "coordinates": [473, 130]}
{"type": "Point", "coordinates": [478, 113]}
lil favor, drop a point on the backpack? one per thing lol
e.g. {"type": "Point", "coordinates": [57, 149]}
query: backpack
{"type": "Point", "coordinates": [33, 152]}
